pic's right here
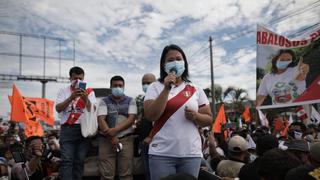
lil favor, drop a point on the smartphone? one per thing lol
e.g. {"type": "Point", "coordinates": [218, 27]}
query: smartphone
{"type": "Point", "coordinates": [18, 156]}
{"type": "Point", "coordinates": [82, 85]}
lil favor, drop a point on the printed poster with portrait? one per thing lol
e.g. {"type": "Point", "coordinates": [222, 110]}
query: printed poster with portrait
{"type": "Point", "coordinates": [288, 70]}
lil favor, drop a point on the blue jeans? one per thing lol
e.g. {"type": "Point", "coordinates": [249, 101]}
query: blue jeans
{"type": "Point", "coordinates": [162, 166]}
{"type": "Point", "coordinates": [74, 148]}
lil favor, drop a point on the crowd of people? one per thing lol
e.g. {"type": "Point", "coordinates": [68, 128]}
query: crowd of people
{"type": "Point", "coordinates": [171, 124]}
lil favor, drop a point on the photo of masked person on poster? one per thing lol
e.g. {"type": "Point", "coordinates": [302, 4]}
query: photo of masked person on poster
{"type": "Point", "coordinates": [286, 81]}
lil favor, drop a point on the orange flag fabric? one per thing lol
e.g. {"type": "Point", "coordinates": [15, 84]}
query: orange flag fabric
{"type": "Point", "coordinates": [220, 120]}
{"type": "Point", "coordinates": [33, 128]}
{"type": "Point", "coordinates": [246, 115]}
{"type": "Point", "coordinates": [286, 128]}
{"type": "Point", "coordinates": [40, 108]}
{"type": "Point", "coordinates": [35, 108]}
{"type": "Point", "coordinates": [18, 113]}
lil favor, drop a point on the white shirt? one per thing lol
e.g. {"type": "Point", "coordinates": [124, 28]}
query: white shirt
{"type": "Point", "coordinates": [65, 93]}
{"type": "Point", "coordinates": [282, 88]}
{"type": "Point", "coordinates": [179, 137]}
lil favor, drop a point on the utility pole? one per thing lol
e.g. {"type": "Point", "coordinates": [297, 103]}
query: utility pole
{"type": "Point", "coordinates": [213, 109]}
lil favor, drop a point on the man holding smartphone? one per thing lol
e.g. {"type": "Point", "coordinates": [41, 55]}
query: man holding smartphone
{"type": "Point", "coordinates": [72, 101]}
{"type": "Point", "coordinates": [30, 163]}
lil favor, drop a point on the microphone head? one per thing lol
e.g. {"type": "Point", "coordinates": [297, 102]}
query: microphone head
{"type": "Point", "coordinates": [173, 70]}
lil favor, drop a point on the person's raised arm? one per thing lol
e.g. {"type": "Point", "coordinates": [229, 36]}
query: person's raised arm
{"type": "Point", "coordinates": [260, 99]}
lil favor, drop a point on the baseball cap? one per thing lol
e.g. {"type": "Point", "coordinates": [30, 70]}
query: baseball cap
{"type": "Point", "coordinates": [298, 144]}
{"type": "Point", "coordinates": [237, 144]}
{"type": "Point", "coordinates": [315, 152]}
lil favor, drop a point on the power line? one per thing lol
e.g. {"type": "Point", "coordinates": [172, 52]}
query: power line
{"type": "Point", "coordinates": [247, 31]}
{"type": "Point", "coordinates": [199, 50]}
{"type": "Point", "coordinates": [252, 45]}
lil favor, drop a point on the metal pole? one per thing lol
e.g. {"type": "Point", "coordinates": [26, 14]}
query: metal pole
{"type": "Point", "coordinates": [212, 79]}
{"type": "Point", "coordinates": [20, 55]}
{"type": "Point", "coordinates": [59, 58]}
{"type": "Point", "coordinates": [43, 82]}
{"type": "Point", "coordinates": [74, 52]}
{"type": "Point", "coordinates": [44, 69]}
{"type": "Point", "coordinates": [44, 57]}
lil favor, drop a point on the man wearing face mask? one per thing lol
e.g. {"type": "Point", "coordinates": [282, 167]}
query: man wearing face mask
{"type": "Point", "coordinates": [286, 81]}
{"type": "Point", "coordinates": [144, 126]}
{"type": "Point", "coordinates": [34, 167]}
{"type": "Point", "coordinates": [72, 102]}
{"type": "Point", "coordinates": [297, 130]}
{"type": "Point", "coordinates": [116, 114]}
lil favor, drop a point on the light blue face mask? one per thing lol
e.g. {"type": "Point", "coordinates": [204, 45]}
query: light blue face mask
{"type": "Point", "coordinates": [145, 87]}
{"type": "Point", "coordinates": [177, 66]}
{"type": "Point", "coordinates": [283, 64]}
{"type": "Point", "coordinates": [117, 91]}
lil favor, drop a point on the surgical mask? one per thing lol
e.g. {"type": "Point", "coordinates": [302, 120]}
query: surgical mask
{"type": "Point", "coordinates": [252, 157]}
{"type": "Point", "coordinates": [283, 64]}
{"type": "Point", "coordinates": [177, 66]}
{"type": "Point", "coordinates": [295, 134]}
{"type": "Point", "coordinates": [118, 91]}
{"type": "Point", "coordinates": [74, 82]}
{"type": "Point", "coordinates": [145, 87]}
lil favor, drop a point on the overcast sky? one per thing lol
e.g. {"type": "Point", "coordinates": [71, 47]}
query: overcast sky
{"type": "Point", "coordinates": [122, 37]}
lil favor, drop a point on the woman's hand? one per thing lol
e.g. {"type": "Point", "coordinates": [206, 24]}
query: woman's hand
{"type": "Point", "coordinates": [190, 114]}
{"type": "Point", "coordinates": [303, 70]}
{"type": "Point", "coordinates": [169, 80]}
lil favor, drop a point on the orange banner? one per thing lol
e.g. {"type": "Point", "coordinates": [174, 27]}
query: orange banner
{"type": "Point", "coordinates": [41, 108]}
{"type": "Point", "coordinates": [25, 109]}
{"type": "Point", "coordinates": [246, 115]}
{"type": "Point", "coordinates": [17, 106]}
{"type": "Point", "coordinates": [33, 128]}
{"type": "Point", "coordinates": [220, 120]}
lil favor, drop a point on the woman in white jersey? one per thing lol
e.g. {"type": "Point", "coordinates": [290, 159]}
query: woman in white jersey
{"type": "Point", "coordinates": [177, 107]}
{"type": "Point", "coordinates": [286, 80]}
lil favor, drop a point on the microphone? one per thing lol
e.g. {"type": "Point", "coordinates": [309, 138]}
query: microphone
{"type": "Point", "coordinates": [174, 72]}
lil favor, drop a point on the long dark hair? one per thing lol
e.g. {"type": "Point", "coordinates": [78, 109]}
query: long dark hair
{"type": "Point", "coordinates": [274, 68]}
{"type": "Point", "coordinates": [163, 74]}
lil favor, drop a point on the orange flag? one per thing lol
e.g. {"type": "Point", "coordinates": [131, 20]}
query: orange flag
{"type": "Point", "coordinates": [246, 115]}
{"type": "Point", "coordinates": [18, 113]}
{"type": "Point", "coordinates": [286, 128]}
{"type": "Point", "coordinates": [33, 128]}
{"type": "Point", "coordinates": [220, 120]}
{"type": "Point", "coordinates": [38, 108]}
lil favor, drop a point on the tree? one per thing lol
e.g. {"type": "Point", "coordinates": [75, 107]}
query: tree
{"type": "Point", "coordinates": [236, 98]}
